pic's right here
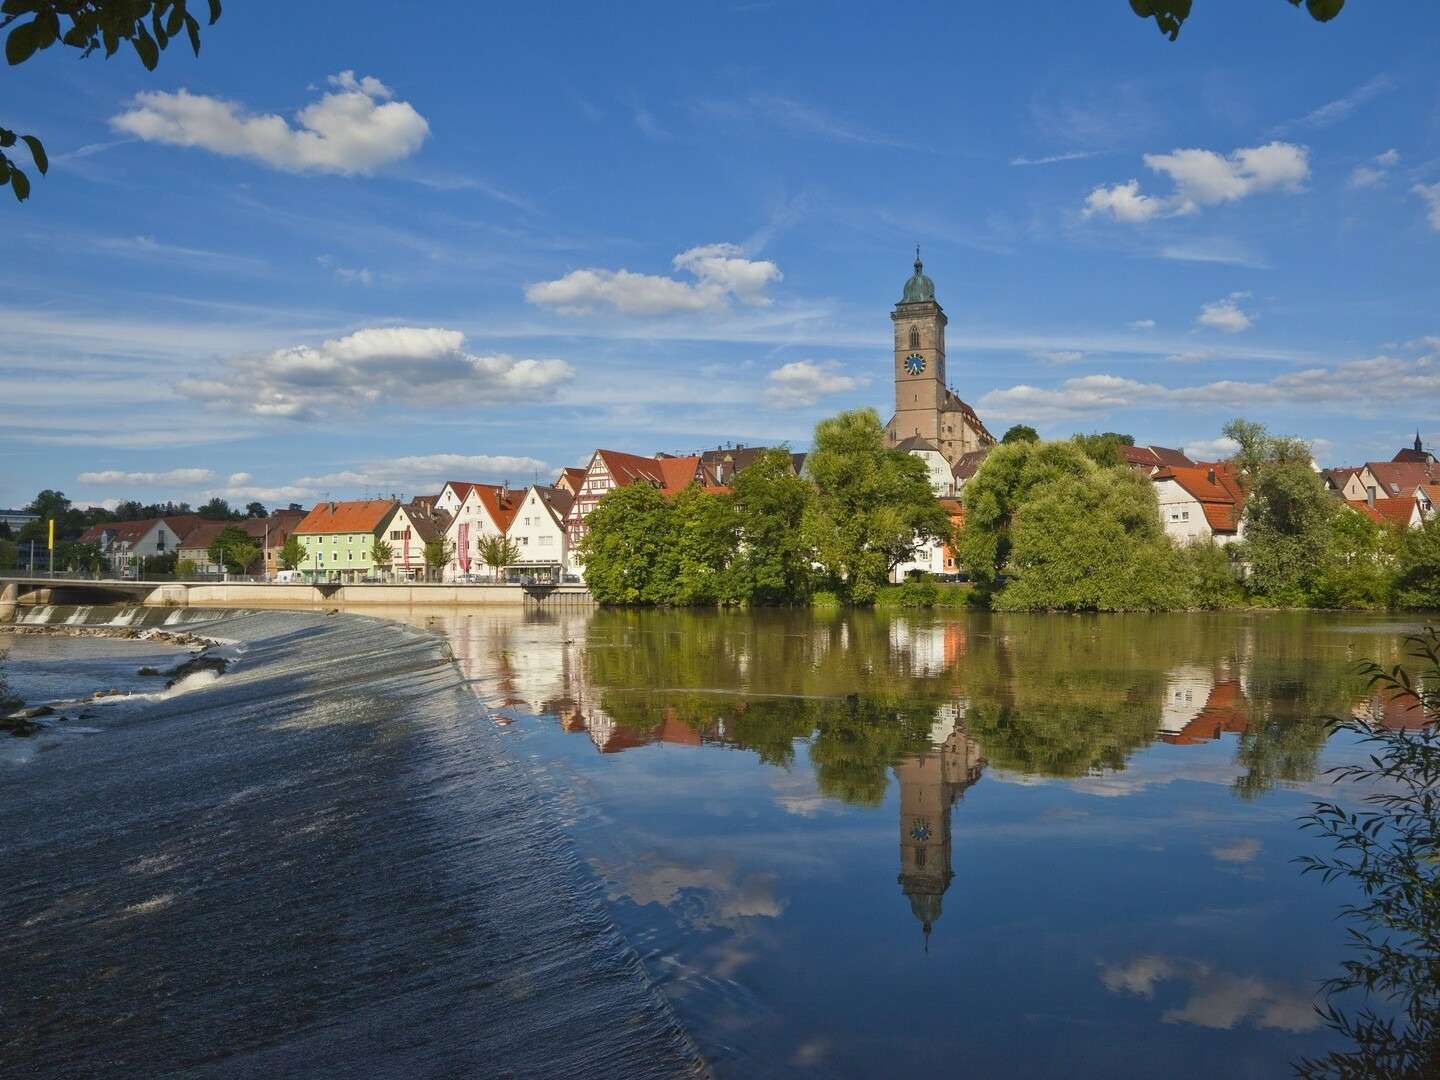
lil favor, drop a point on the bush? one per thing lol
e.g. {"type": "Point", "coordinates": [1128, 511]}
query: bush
{"type": "Point", "coordinates": [1208, 576]}
{"type": "Point", "coordinates": [824, 598]}
{"type": "Point", "coordinates": [185, 568]}
{"type": "Point", "coordinates": [1417, 583]}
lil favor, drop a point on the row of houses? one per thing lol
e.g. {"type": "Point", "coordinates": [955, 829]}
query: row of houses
{"type": "Point", "coordinates": [126, 544]}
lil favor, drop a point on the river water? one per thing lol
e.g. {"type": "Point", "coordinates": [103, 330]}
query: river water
{"type": "Point", "coordinates": [615, 843]}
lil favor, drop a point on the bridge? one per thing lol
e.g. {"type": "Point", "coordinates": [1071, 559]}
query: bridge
{"type": "Point", "coordinates": [31, 590]}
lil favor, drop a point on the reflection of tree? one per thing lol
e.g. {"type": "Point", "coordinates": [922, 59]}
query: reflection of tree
{"type": "Point", "coordinates": [857, 741]}
{"type": "Point", "coordinates": [1390, 850]}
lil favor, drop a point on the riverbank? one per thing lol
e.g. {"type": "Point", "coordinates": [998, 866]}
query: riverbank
{"type": "Point", "coordinates": [323, 862]}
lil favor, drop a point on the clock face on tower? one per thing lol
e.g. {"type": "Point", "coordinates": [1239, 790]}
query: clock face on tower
{"type": "Point", "coordinates": [920, 830]}
{"type": "Point", "coordinates": [914, 363]}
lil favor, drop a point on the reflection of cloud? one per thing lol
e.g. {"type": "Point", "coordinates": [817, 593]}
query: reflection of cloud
{"type": "Point", "coordinates": [701, 896]}
{"type": "Point", "coordinates": [1241, 851]}
{"type": "Point", "coordinates": [1217, 999]}
{"type": "Point", "coordinates": [811, 1052]}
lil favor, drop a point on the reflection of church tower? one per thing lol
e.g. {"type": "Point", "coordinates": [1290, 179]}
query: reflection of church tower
{"type": "Point", "coordinates": [929, 785]}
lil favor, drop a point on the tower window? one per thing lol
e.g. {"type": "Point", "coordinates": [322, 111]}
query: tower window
{"type": "Point", "coordinates": [914, 337]}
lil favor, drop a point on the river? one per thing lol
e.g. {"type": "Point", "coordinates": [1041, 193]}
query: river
{"type": "Point", "coordinates": [617, 843]}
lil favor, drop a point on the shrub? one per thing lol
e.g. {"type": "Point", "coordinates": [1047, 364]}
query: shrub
{"type": "Point", "coordinates": [1208, 576]}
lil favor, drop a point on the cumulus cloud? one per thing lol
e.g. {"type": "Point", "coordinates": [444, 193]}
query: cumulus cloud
{"type": "Point", "coordinates": [1376, 171]}
{"type": "Point", "coordinates": [174, 476]}
{"type": "Point", "coordinates": [1218, 999]}
{"type": "Point", "coordinates": [804, 382]}
{"type": "Point", "coordinates": [1211, 449]}
{"type": "Point", "coordinates": [355, 128]}
{"type": "Point", "coordinates": [401, 475]}
{"type": "Point", "coordinates": [1356, 386]}
{"type": "Point", "coordinates": [1431, 194]}
{"type": "Point", "coordinates": [371, 367]}
{"type": "Point", "coordinates": [1203, 178]}
{"type": "Point", "coordinates": [721, 273]}
{"type": "Point", "coordinates": [1226, 314]}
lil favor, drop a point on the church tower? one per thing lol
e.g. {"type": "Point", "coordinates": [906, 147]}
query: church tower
{"type": "Point", "coordinates": [927, 414]}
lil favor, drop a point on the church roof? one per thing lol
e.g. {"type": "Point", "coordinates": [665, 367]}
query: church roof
{"type": "Point", "coordinates": [919, 289]}
{"type": "Point", "coordinates": [915, 442]}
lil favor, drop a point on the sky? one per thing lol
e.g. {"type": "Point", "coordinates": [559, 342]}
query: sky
{"type": "Point", "coordinates": [361, 248]}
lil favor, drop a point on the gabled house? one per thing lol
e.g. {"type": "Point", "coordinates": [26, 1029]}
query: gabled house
{"type": "Point", "coordinates": [483, 510]}
{"type": "Point", "coordinates": [1151, 459]}
{"type": "Point", "coordinates": [414, 525]}
{"type": "Point", "coordinates": [941, 472]}
{"type": "Point", "coordinates": [723, 463]}
{"type": "Point", "coordinates": [1416, 453]}
{"type": "Point", "coordinates": [538, 530]}
{"type": "Point", "coordinates": [1391, 479]}
{"type": "Point", "coordinates": [339, 538]}
{"type": "Point", "coordinates": [967, 466]}
{"type": "Point", "coordinates": [611, 469]}
{"type": "Point", "coordinates": [1200, 501]}
{"type": "Point", "coordinates": [570, 480]}
{"type": "Point", "coordinates": [125, 543]}
{"type": "Point", "coordinates": [935, 556]}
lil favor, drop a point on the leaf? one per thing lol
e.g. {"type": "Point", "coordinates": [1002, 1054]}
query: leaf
{"type": "Point", "coordinates": [1324, 10]}
{"type": "Point", "coordinates": [7, 137]}
{"type": "Point", "coordinates": [214, 11]}
{"type": "Point", "coordinates": [21, 43]}
{"type": "Point", "coordinates": [21, 183]}
{"type": "Point", "coordinates": [146, 49]}
{"type": "Point", "coordinates": [176, 20]}
{"type": "Point", "coordinates": [37, 151]}
{"type": "Point", "coordinates": [192, 27]}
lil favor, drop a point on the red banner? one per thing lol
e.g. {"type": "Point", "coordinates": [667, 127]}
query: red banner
{"type": "Point", "coordinates": [462, 552]}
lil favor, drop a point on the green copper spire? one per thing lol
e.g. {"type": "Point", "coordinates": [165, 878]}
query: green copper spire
{"type": "Point", "coordinates": [919, 288]}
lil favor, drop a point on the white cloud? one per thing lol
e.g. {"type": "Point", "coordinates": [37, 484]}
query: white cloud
{"type": "Point", "coordinates": [373, 367]}
{"type": "Point", "coordinates": [355, 128]}
{"type": "Point", "coordinates": [1052, 159]}
{"type": "Point", "coordinates": [1226, 314]}
{"type": "Point", "coordinates": [1203, 178]}
{"type": "Point", "coordinates": [174, 476]}
{"type": "Point", "coordinates": [1431, 194]}
{"type": "Point", "coordinates": [1376, 172]}
{"type": "Point", "coordinates": [1059, 356]}
{"type": "Point", "coordinates": [804, 382]}
{"type": "Point", "coordinates": [1218, 1000]}
{"type": "Point", "coordinates": [1211, 449]}
{"type": "Point", "coordinates": [1333, 112]}
{"type": "Point", "coordinates": [1354, 387]}
{"type": "Point", "coordinates": [1142, 324]}
{"type": "Point", "coordinates": [1190, 356]}
{"type": "Point", "coordinates": [1241, 851]}
{"type": "Point", "coordinates": [349, 275]}
{"type": "Point", "coordinates": [721, 271]}
{"type": "Point", "coordinates": [401, 475]}
{"type": "Point", "coordinates": [1217, 249]}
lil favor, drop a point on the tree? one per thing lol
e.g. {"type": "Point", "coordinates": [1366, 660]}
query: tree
{"type": "Point", "coordinates": [256, 510]}
{"type": "Point", "coordinates": [1288, 514]}
{"type": "Point", "coordinates": [997, 490]}
{"type": "Point", "coordinates": [1092, 542]}
{"type": "Point", "coordinates": [1417, 582]}
{"type": "Point", "coordinates": [72, 555]}
{"type": "Point", "coordinates": [773, 561]}
{"type": "Point", "coordinates": [5, 531]}
{"type": "Point", "coordinates": [1104, 448]}
{"type": "Point", "coordinates": [92, 24]}
{"type": "Point", "coordinates": [707, 536]}
{"type": "Point", "coordinates": [873, 507]}
{"type": "Point", "coordinates": [1020, 433]}
{"type": "Point", "coordinates": [497, 552]}
{"type": "Point", "coordinates": [438, 553]}
{"type": "Point", "coordinates": [217, 509]}
{"type": "Point", "coordinates": [381, 553]}
{"type": "Point", "coordinates": [292, 553]}
{"type": "Point", "coordinates": [233, 549]}
{"type": "Point", "coordinates": [1357, 569]}
{"type": "Point", "coordinates": [1169, 15]}
{"type": "Point", "coordinates": [628, 546]}
{"type": "Point", "coordinates": [49, 504]}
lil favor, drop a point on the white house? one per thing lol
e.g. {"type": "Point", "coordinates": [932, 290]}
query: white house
{"type": "Point", "coordinates": [1200, 502]}
{"type": "Point", "coordinates": [538, 530]}
{"type": "Point", "coordinates": [480, 510]}
{"type": "Point", "coordinates": [414, 525]}
{"type": "Point", "coordinates": [941, 472]}
{"type": "Point", "coordinates": [123, 543]}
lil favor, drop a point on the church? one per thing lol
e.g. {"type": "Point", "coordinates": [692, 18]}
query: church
{"type": "Point", "coordinates": [929, 417]}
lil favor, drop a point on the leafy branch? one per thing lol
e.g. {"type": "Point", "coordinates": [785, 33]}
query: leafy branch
{"type": "Point", "coordinates": [1169, 15]}
{"type": "Point", "coordinates": [148, 25]}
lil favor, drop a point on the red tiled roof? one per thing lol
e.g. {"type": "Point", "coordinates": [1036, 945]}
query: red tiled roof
{"type": "Point", "coordinates": [361, 515]}
{"type": "Point", "coordinates": [1402, 477]}
{"type": "Point", "coordinates": [1224, 711]}
{"type": "Point", "coordinates": [1220, 498]}
{"type": "Point", "coordinates": [1154, 456]}
{"type": "Point", "coordinates": [1360, 506]}
{"type": "Point", "coordinates": [131, 532]}
{"type": "Point", "coordinates": [1398, 511]}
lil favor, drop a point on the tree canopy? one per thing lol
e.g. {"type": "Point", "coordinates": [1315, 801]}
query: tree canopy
{"type": "Point", "coordinates": [87, 25]}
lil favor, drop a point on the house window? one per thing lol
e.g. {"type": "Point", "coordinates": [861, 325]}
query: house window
{"type": "Point", "coordinates": [544, 541]}
{"type": "Point", "coordinates": [914, 337]}
{"type": "Point", "coordinates": [1185, 515]}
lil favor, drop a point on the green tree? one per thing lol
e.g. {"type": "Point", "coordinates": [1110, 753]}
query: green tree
{"type": "Point", "coordinates": [992, 496]}
{"type": "Point", "coordinates": [229, 546]}
{"type": "Point", "coordinates": [1020, 433]}
{"type": "Point", "coordinates": [498, 552]}
{"type": "Point", "coordinates": [1417, 582]}
{"type": "Point", "coordinates": [438, 553]}
{"type": "Point", "coordinates": [873, 506]}
{"type": "Point", "coordinates": [255, 510]}
{"type": "Point", "coordinates": [1357, 569]}
{"type": "Point", "coordinates": [1092, 542]}
{"type": "Point", "coordinates": [9, 555]}
{"type": "Point", "coordinates": [1104, 448]}
{"type": "Point", "coordinates": [185, 569]}
{"type": "Point", "coordinates": [1288, 514]}
{"type": "Point", "coordinates": [75, 556]}
{"type": "Point", "coordinates": [87, 25]}
{"type": "Point", "coordinates": [773, 561]}
{"type": "Point", "coordinates": [629, 546]}
{"type": "Point", "coordinates": [1170, 15]}
{"type": "Point", "coordinates": [292, 553]}
{"type": "Point", "coordinates": [1208, 575]}
{"type": "Point", "coordinates": [381, 553]}
{"type": "Point", "coordinates": [707, 535]}
{"type": "Point", "coordinates": [217, 509]}
{"type": "Point", "coordinates": [51, 506]}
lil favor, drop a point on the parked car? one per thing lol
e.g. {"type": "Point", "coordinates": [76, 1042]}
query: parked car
{"type": "Point", "coordinates": [287, 576]}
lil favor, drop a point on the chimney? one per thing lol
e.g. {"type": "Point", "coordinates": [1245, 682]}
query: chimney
{"type": "Point", "coordinates": [1210, 475]}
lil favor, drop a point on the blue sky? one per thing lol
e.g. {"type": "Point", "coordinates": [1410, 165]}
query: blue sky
{"type": "Point", "coordinates": [346, 252]}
